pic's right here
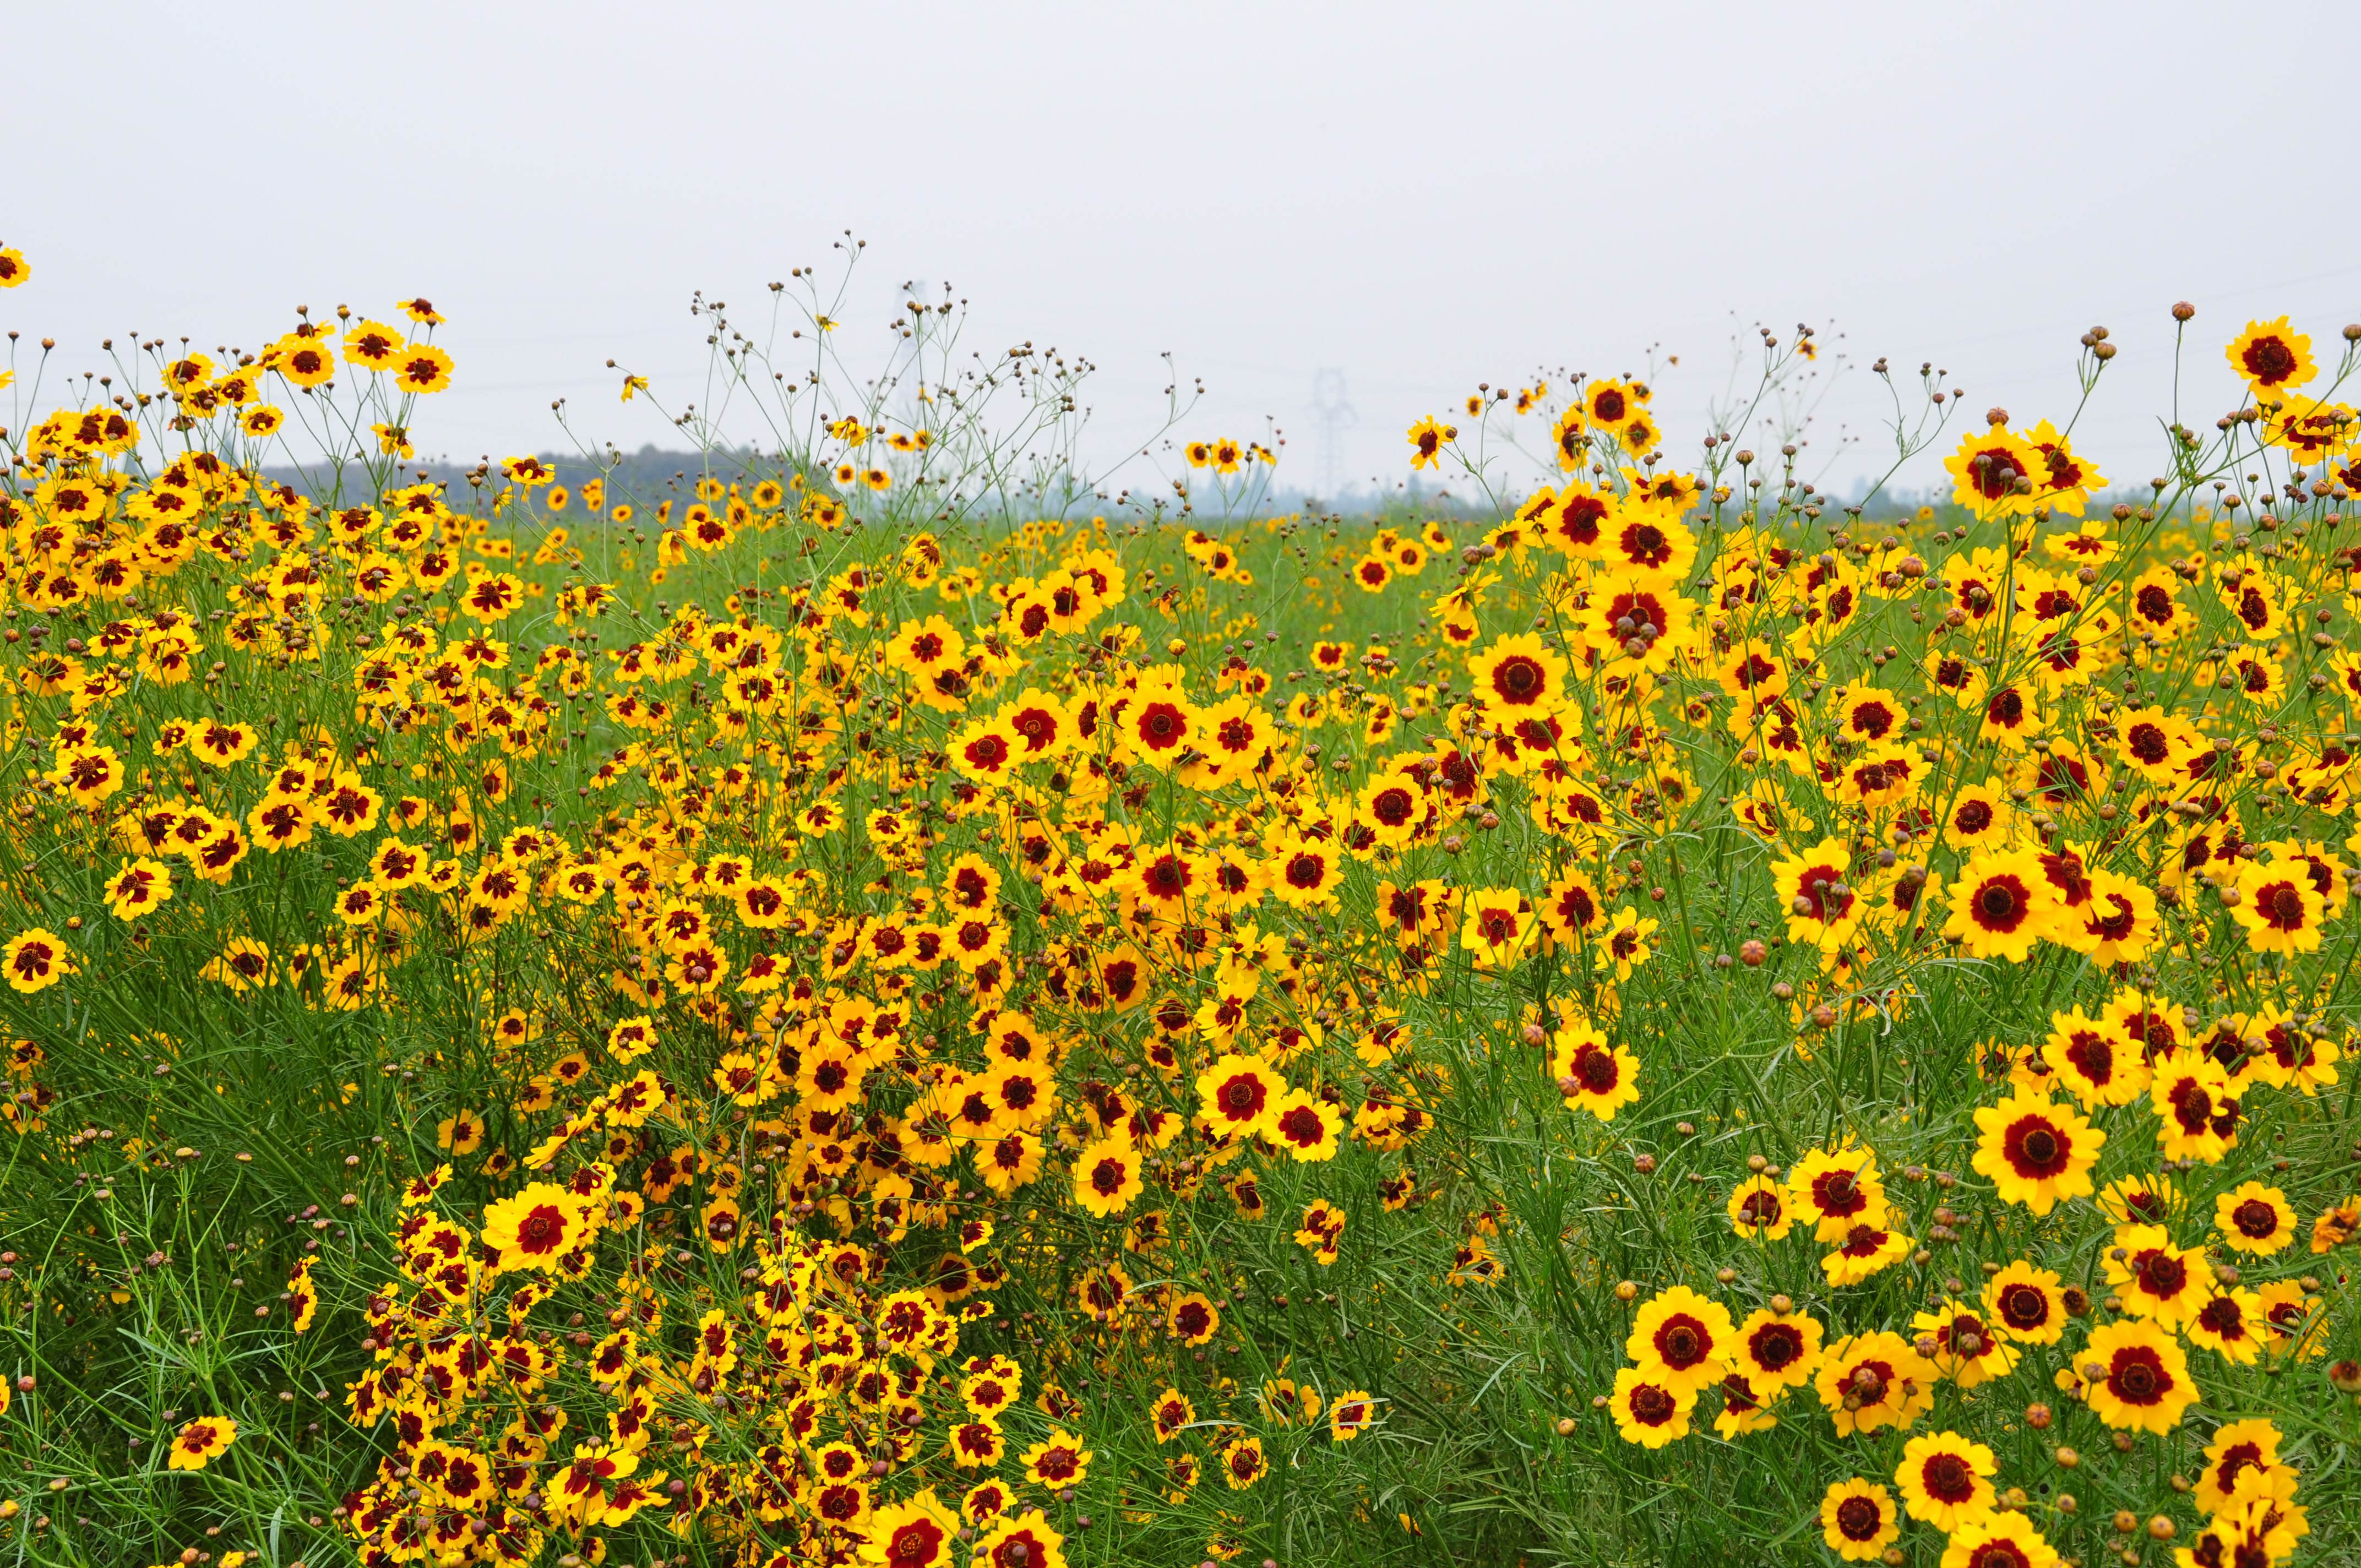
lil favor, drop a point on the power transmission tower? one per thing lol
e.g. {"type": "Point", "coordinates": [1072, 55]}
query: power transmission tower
{"type": "Point", "coordinates": [1335, 415]}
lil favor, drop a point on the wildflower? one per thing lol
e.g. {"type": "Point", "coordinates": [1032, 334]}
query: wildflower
{"type": "Point", "coordinates": [2279, 906]}
{"type": "Point", "coordinates": [1020, 1540]}
{"type": "Point", "coordinates": [1056, 1461]}
{"type": "Point", "coordinates": [1836, 1190]}
{"type": "Point", "coordinates": [1776, 1350]}
{"type": "Point", "coordinates": [1681, 1339]}
{"type": "Point", "coordinates": [2035, 1152]}
{"type": "Point", "coordinates": [1649, 1411]}
{"type": "Point", "coordinates": [1874, 1381]}
{"type": "Point", "coordinates": [1858, 1519]}
{"type": "Point", "coordinates": [1243, 1464]}
{"type": "Point", "coordinates": [1758, 1207]}
{"type": "Point", "coordinates": [2256, 1220]}
{"type": "Point", "coordinates": [1107, 1176]}
{"type": "Point", "coordinates": [535, 1227]}
{"type": "Point", "coordinates": [915, 1533]}
{"type": "Point", "coordinates": [2004, 906]}
{"type": "Point", "coordinates": [2271, 358]}
{"type": "Point", "coordinates": [1998, 1540]}
{"type": "Point", "coordinates": [1352, 1413]}
{"type": "Point", "coordinates": [199, 1443]}
{"type": "Point", "coordinates": [1865, 1250]}
{"type": "Point", "coordinates": [35, 961]}
{"type": "Point", "coordinates": [2135, 1376]}
{"type": "Point", "coordinates": [1946, 1479]}
{"type": "Point", "coordinates": [1592, 1074]}
{"type": "Point", "coordinates": [1239, 1094]}
{"type": "Point", "coordinates": [1426, 443]}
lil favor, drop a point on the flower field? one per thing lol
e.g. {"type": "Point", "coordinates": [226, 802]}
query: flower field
{"type": "Point", "coordinates": [876, 1002]}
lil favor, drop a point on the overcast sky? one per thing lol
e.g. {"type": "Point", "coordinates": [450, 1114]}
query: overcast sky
{"type": "Point", "coordinates": [1420, 197]}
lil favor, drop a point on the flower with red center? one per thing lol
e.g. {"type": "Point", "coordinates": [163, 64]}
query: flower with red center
{"type": "Point", "coordinates": [36, 959]}
{"type": "Point", "coordinates": [1865, 1250]}
{"type": "Point", "coordinates": [2116, 925]}
{"type": "Point", "coordinates": [1056, 1461]}
{"type": "Point", "coordinates": [1571, 907]}
{"type": "Point", "coordinates": [1519, 672]}
{"type": "Point", "coordinates": [1592, 1074]}
{"type": "Point", "coordinates": [2005, 904]}
{"type": "Point", "coordinates": [2197, 1113]}
{"type": "Point", "coordinates": [1758, 1207]}
{"type": "Point", "coordinates": [1497, 927]}
{"type": "Point", "coordinates": [1681, 1340]}
{"type": "Point", "coordinates": [1308, 1126]}
{"type": "Point", "coordinates": [1641, 542]}
{"type": "Point", "coordinates": [1994, 472]}
{"type": "Point", "coordinates": [2237, 1447]}
{"type": "Point", "coordinates": [2229, 1323]}
{"type": "Point", "coordinates": [1106, 1175]}
{"type": "Point", "coordinates": [202, 1441]}
{"type": "Point", "coordinates": [2156, 1279]}
{"type": "Point", "coordinates": [1775, 1351]}
{"type": "Point", "coordinates": [1576, 519]}
{"type": "Point", "coordinates": [1427, 440]}
{"type": "Point", "coordinates": [1968, 1350]}
{"type": "Point", "coordinates": [2010, 719]}
{"type": "Point", "coordinates": [2137, 1376]}
{"type": "Point", "coordinates": [2279, 905]}
{"type": "Point", "coordinates": [1020, 1540]}
{"type": "Point", "coordinates": [1815, 885]}
{"type": "Point", "coordinates": [2256, 1220]}
{"type": "Point", "coordinates": [531, 1229]}
{"type": "Point", "coordinates": [1304, 872]}
{"type": "Point", "coordinates": [1999, 1540]}
{"type": "Point", "coordinates": [1649, 1411]}
{"type": "Point", "coordinates": [1838, 1189]}
{"type": "Point", "coordinates": [1165, 877]}
{"type": "Point", "coordinates": [2026, 1303]}
{"type": "Point", "coordinates": [2091, 1062]}
{"type": "Point", "coordinates": [1243, 1464]}
{"type": "Point", "coordinates": [1869, 1381]}
{"type": "Point", "coordinates": [1238, 1095]}
{"type": "Point", "coordinates": [1946, 1479]}
{"type": "Point", "coordinates": [1392, 806]}
{"type": "Point", "coordinates": [2035, 1151]}
{"type": "Point", "coordinates": [2270, 356]}
{"type": "Point", "coordinates": [1858, 1519]}
{"type": "Point", "coordinates": [1754, 668]}
{"type": "Point", "coordinates": [1158, 723]}
{"type": "Point", "coordinates": [1632, 619]}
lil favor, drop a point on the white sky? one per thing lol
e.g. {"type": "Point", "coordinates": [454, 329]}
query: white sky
{"type": "Point", "coordinates": [1424, 197]}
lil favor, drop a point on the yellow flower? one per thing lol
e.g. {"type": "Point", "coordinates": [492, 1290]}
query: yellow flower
{"type": "Point", "coordinates": [1681, 1340]}
{"type": "Point", "coordinates": [2271, 358]}
{"type": "Point", "coordinates": [1998, 1540]}
{"type": "Point", "coordinates": [2035, 1152]}
{"type": "Point", "coordinates": [1649, 1409]}
{"type": "Point", "coordinates": [201, 1441]}
{"type": "Point", "coordinates": [1592, 1074]}
{"type": "Point", "coordinates": [2004, 905]}
{"type": "Point", "coordinates": [534, 1228]}
{"type": "Point", "coordinates": [1858, 1519]}
{"type": "Point", "coordinates": [36, 959]}
{"type": "Point", "coordinates": [1873, 1380]}
{"type": "Point", "coordinates": [2256, 1220]}
{"type": "Point", "coordinates": [2135, 1376]}
{"type": "Point", "coordinates": [1426, 443]}
{"type": "Point", "coordinates": [918, 1532]}
{"type": "Point", "coordinates": [1106, 1175]}
{"type": "Point", "coordinates": [1946, 1479]}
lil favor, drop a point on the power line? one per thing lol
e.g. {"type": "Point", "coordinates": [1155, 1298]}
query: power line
{"type": "Point", "coordinates": [1335, 415]}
